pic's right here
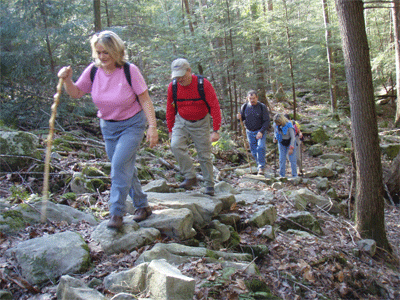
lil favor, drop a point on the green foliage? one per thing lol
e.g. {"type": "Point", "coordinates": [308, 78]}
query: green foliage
{"type": "Point", "coordinates": [236, 40]}
{"type": "Point", "coordinates": [69, 196]}
{"type": "Point", "coordinates": [14, 219]}
{"type": "Point", "coordinates": [18, 194]}
{"type": "Point", "coordinates": [225, 142]}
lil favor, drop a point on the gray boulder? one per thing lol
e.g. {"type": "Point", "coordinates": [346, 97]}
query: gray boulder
{"type": "Point", "coordinates": [251, 196]}
{"type": "Point", "coordinates": [175, 223]}
{"type": "Point", "coordinates": [15, 219]}
{"type": "Point", "coordinates": [49, 257]}
{"type": "Point", "coordinates": [129, 237]}
{"type": "Point", "coordinates": [157, 186]}
{"type": "Point", "coordinates": [226, 199]}
{"type": "Point", "coordinates": [71, 288]}
{"type": "Point", "coordinates": [302, 218]}
{"type": "Point", "coordinates": [220, 232]}
{"type": "Point", "coordinates": [130, 281]}
{"type": "Point", "coordinates": [204, 208]}
{"type": "Point", "coordinates": [167, 282]}
{"type": "Point", "coordinates": [20, 149]}
{"type": "Point", "coordinates": [319, 136]}
{"type": "Point", "coordinates": [323, 184]}
{"type": "Point", "coordinates": [177, 254]}
{"type": "Point", "coordinates": [265, 216]}
{"type": "Point", "coordinates": [315, 150]}
{"type": "Point", "coordinates": [231, 219]}
{"type": "Point", "coordinates": [367, 246]}
{"type": "Point", "coordinates": [224, 187]}
{"type": "Point", "coordinates": [304, 197]}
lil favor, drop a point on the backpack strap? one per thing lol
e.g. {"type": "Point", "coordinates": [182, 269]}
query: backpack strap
{"type": "Point", "coordinates": [126, 71]}
{"type": "Point", "coordinates": [175, 94]}
{"type": "Point", "coordinates": [93, 73]}
{"type": "Point", "coordinates": [200, 88]}
{"type": "Point", "coordinates": [244, 108]}
{"type": "Point", "coordinates": [128, 76]}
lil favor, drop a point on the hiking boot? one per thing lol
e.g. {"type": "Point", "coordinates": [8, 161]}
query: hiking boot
{"type": "Point", "coordinates": [260, 171]}
{"type": "Point", "coordinates": [188, 183]}
{"type": "Point", "coordinates": [209, 190]}
{"type": "Point", "coordinates": [115, 222]}
{"type": "Point", "coordinates": [142, 214]}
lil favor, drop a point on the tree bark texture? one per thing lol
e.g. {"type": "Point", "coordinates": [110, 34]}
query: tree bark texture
{"type": "Point", "coordinates": [258, 61]}
{"type": "Point", "coordinates": [290, 63]}
{"type": "Point", "coordinates": [97, 15]}
{"type": "Point", "coordinates": [396, 26]}
{"type": "Point", "coordinates": [49, 51]}
{"type": "Point", "coordinates": [332, 71]}
{"type": "Point", "coordinates": [188, 14]}
{"type": "Point", "coordinates": [370, 218]}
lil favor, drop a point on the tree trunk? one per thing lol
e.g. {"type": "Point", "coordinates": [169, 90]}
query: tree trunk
{"type": "Point", "coordinates": [396, 26]}
{"type": "Point", "coordinates": [228, 76]}
{"type": "Point", "coordinates": [189, 16]}
{"type": "Point", "coordinates": [234, 108]}
{"type": "Point", "coordinates": [108, 14]}
{"type": "Point", "coordinates": [97, 15]}
{"type": "Point", "coordinates": [258, 61]}
{"type": "Point", "coordinates": [47, 39]}
{"type": "Point", "coordinates": [290, 62]}
{"type": "Point", "coordinates": [332, 71]}
{"type": "Point", "coordinates": [270, 5]}
{"type": "Point", "coordinates": [370, 217]}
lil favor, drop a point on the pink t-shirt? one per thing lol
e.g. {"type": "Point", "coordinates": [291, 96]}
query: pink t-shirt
{"type": "Point", "coordinates": [112, 94]}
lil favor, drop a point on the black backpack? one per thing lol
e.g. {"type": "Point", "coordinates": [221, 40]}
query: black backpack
{"type": "Point", "coordinates": [126, 71]}
{"type": "Point", "coordinates": [200, 88]}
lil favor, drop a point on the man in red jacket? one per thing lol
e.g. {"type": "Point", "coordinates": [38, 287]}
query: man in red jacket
{"type": "Point", "coordinates": [189, 110]}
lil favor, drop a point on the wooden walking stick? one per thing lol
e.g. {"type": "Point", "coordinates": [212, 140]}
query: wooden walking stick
{"type": "Point", "coordinates": [244, 142]}
{"type": "Point", "coordinates": [48, 149]}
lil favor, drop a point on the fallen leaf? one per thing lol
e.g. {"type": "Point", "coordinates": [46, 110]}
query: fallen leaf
{"type": "Point", "coordinates": [340, 276]}
{"type": "Point", "coordinates": [241, 284]}
{"type": "Point", "coordinates": [309, 276]}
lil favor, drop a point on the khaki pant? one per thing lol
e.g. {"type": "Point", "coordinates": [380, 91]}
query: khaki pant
{"type": "Point", "coordinates": [199, 132]}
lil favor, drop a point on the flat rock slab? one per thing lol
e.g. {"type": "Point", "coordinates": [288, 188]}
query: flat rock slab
{"type": "Point", "coordinates": [129, 237]}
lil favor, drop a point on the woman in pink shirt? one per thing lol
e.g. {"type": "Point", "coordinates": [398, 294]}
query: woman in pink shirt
{"type": "Point", "coordinates": [123, 109]}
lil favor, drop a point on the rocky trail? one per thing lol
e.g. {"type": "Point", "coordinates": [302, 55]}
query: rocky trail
{"type": "Point", "coordinates": [259, 237]}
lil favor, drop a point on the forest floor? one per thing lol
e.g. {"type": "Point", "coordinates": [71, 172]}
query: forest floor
{"type": "Point", "coordinates": [314, 267]}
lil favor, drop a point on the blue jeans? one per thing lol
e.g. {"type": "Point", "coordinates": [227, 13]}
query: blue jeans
{"type": "Point", "coordinates": [283, 154]}
{"type": "Point", "coordinates": [122, 141]}
{"type": "Point", "coordinates": [257, 147]}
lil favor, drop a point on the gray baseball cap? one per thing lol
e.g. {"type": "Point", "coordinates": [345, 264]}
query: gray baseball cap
{"type": "Point", "coordinates": [179, 67]}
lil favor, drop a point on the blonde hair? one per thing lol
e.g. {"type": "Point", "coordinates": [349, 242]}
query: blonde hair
{"type": "Point", "coordinates": [281, 119]}
{"type": "Point", "coordinates": [112, 43]}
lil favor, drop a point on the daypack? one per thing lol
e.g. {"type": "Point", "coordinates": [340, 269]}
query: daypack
{"type": "Point", "coordinates": [245, 106]}
{"type": "Point", "coordinates": [200, 88]}
{"type": "Point", "coordinates": [126, 71]}
{"type": "Point", "coordinates": [296, 128]}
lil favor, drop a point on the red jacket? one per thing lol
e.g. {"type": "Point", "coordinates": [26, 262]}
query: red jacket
{"type": "Point", "coordinates": [193, 110]}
